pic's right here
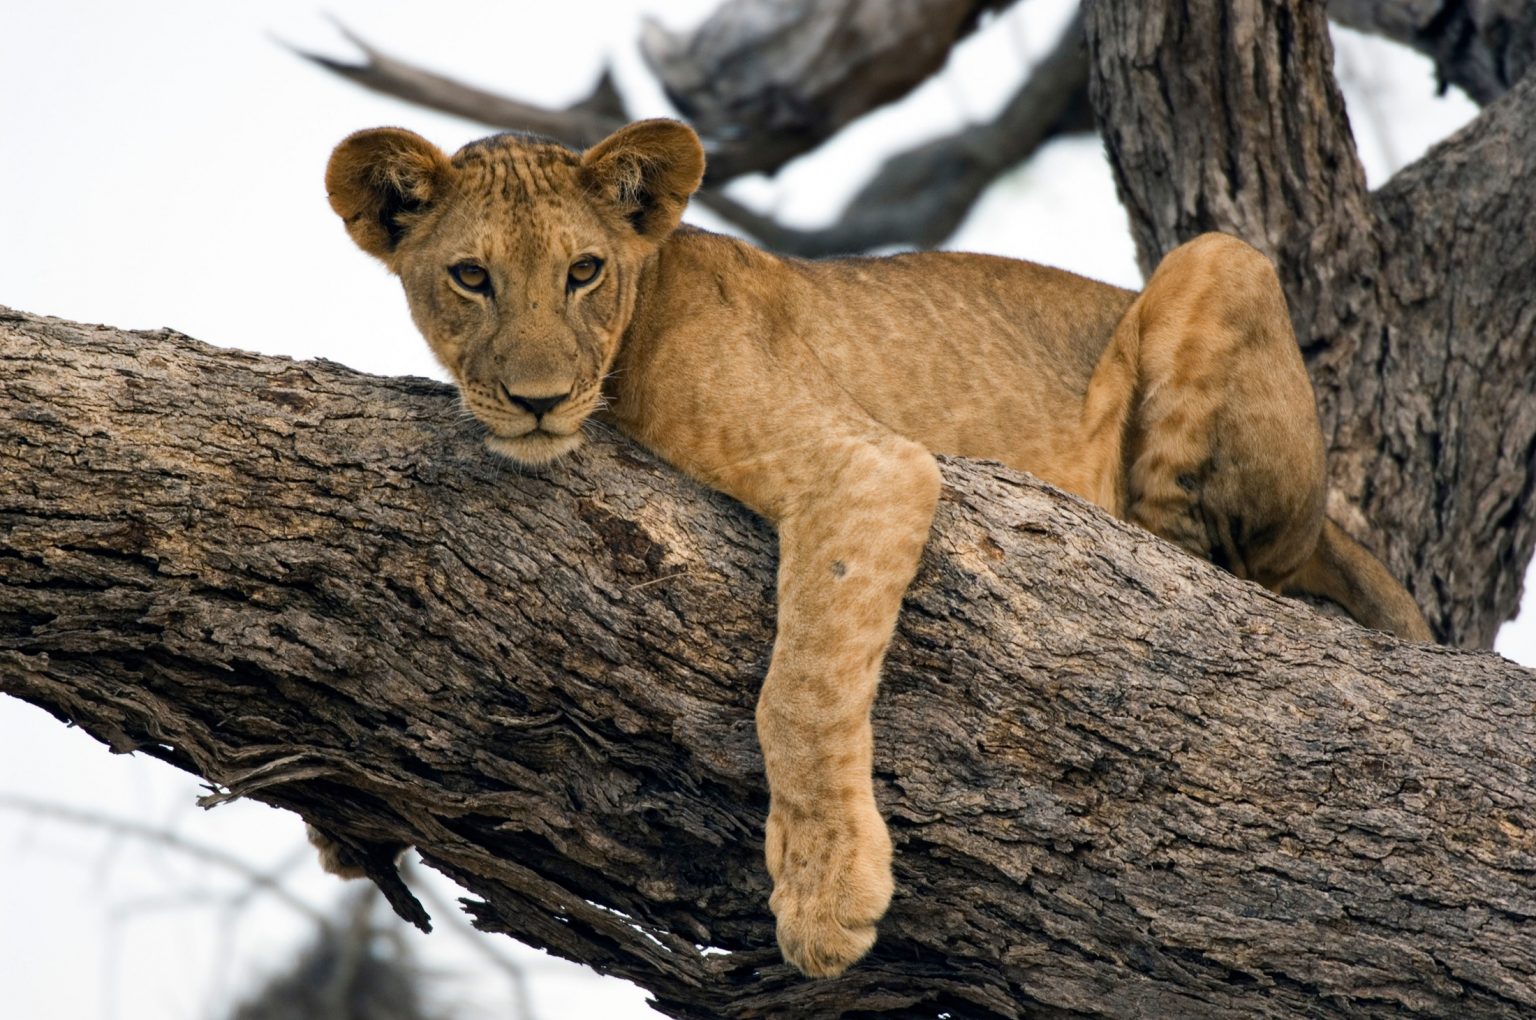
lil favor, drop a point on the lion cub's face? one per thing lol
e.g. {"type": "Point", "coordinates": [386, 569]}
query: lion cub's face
{"type": "Point", "coordinates": [520, 259]}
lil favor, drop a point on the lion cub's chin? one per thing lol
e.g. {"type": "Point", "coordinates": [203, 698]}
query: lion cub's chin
{"type": "Point", "coordinates": [534, 448]}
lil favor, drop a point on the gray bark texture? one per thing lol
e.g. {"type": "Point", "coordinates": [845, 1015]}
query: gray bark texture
{"type": "Point", "coordinates": [853, 56]}
{"type": "Point", "coordinates": [1120, 782]}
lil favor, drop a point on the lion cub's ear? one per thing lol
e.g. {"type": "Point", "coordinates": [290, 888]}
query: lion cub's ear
{"type": "Point", "coordinates": [648, 169]}
{"type": "Point", "coordinates": [380, 180]}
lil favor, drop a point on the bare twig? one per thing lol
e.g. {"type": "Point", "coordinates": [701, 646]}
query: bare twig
{"type": "Point", "coordinates": [581, 124]}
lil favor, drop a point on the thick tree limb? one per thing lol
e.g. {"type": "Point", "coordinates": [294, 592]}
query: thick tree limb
{"type": "Point", "coordinates": [790, 75]}
{"type": "Point", "coordinates": [1222, 117]}
{"type": "Point", "coordinates": [1445, 391]}
{"type": "Point", "coordinates": [795, 75]}
{"type": "Point", "coordinates": [920, 197]}
{"type": "Point", "coordinates": [1121, 783]}
{"type": "Point", "coordinates": [1413, 305]}
{"type": "Point", "coordinates": [764, 82]}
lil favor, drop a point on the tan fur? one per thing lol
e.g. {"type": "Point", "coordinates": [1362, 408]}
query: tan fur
{"type": "Point", "coordinates": [817, 392]}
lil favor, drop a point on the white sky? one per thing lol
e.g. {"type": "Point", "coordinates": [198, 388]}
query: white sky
{"type": "Point", "coordinates": [162, 162]}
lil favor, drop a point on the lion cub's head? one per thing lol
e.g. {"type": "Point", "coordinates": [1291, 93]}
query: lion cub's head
{"type": "Point", "coordinates": [520, 259]}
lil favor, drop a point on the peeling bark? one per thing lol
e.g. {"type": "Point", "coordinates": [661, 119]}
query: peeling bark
{"type": "Point", "coordinates": [1120, 782]}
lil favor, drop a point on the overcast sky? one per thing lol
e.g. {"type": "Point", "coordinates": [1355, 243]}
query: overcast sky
{"type": "Point", "coordinates": [162, 167]}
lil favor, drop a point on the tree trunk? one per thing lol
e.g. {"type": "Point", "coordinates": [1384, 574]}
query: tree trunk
{"type": "Point", "coordinates": [1120, 782]}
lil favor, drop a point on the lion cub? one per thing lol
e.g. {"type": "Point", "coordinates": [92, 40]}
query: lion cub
{"type": "Point", "coordinates": [549, 282]}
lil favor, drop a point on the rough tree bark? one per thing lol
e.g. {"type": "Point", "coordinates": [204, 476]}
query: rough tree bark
{"type": "Point", "coordinates": [1121, 783]}
{"type": "Point", "coordinates": [779, 79]}
{"type": "Point", "coordinates": [917, 197]}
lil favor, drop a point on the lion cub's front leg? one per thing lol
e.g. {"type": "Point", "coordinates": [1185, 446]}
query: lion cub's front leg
{"type": "Point", "coordinates": [848, 549]}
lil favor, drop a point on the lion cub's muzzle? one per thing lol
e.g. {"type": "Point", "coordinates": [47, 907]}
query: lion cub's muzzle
{"type": "Point", "coordinates": [556, 415]}
{"type": "Point", "coordinates": [533, 429]}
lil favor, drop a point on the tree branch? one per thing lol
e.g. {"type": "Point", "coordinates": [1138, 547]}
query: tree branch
{"type": "Point", "coordinates": [580, 125]}
{"type": "Point", "coordinates": [1222, 117]}
{"type": "Point", "coordinates": [1120, 782]}
{"type": "Point", "coordinates": [259, 880]}
{"type": "Point", "coordinates": [921, 196]}
{"type": "Point", "coordinates": [1482, 47]}
{"type": "Point", "coordinates": [788, 76]}
{"type": "Point", "coordinates": [761, 82]}
{"type": "Point", "coordinates": [1443, 394]}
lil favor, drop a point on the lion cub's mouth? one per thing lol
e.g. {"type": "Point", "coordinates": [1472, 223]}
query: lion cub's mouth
{"type": "Point", "coordinates": [528, 439]}
{"type": "Point", "coordinates": [535, 447]}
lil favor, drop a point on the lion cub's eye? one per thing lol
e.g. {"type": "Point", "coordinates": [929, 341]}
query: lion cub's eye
{"type": "Point", "coordinates": [471, 277]}
{"type": "Point", "coordinates": [584, 270]}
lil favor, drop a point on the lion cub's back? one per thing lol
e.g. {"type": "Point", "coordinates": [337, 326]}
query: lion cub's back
{"type": "Point", "coordinates": [973, 355]}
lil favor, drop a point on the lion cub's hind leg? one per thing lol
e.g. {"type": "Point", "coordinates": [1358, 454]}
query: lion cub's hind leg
{"type": "Point", "coordinates": [1222, 450]}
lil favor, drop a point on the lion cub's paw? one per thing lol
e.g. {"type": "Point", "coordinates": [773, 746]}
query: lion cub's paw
{"type": "Point", "coordinates": [831, 886]}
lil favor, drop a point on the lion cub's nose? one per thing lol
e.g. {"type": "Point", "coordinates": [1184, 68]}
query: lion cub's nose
{"type": "Point", "coordinates": [536, 406]}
